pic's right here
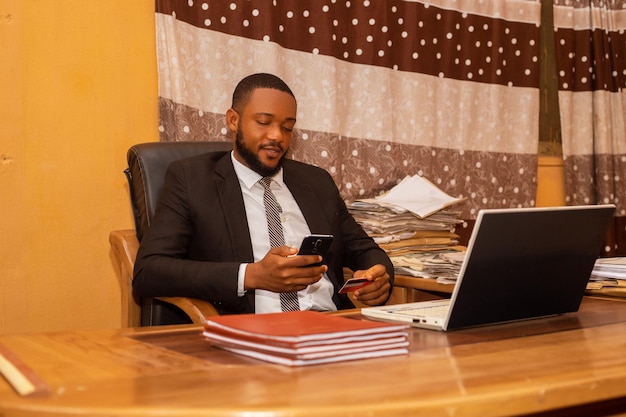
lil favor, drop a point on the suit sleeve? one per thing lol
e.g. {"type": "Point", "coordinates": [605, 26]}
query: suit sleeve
{"type": "Point", "coordinates": [360, 250]}
{"type": "Point", "coordinates": [353, 248]}
{"type": "Point", "coordinates": [168, 261]}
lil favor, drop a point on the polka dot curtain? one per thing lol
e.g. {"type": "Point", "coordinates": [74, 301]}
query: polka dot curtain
{"type": "Point", "coordinates": [386, 88]}
{"type": "Point", "coordinates": [591, 59]}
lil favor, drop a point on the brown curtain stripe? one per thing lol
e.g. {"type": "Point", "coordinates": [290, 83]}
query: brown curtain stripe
{"type": "Point", "coordinates": [591, 60]}
{"type": "Point", "coordinates": [405, 36]}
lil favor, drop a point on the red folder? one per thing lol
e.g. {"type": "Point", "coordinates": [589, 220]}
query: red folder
{"type": "Point", "coordinates": [305, 337]}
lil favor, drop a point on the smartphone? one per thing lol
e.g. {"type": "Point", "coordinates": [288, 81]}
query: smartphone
{"type": "Point", "coordinates": [315, 245]}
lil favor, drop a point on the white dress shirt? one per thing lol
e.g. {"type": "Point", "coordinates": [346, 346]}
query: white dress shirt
{"type": "Point", "coordinates": [315, 297]}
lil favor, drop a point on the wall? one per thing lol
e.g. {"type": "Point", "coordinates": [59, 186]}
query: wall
{"type": "Point", "coordinates": [78, 83]}
{"type": "Point", "coordinates": [550, 182]}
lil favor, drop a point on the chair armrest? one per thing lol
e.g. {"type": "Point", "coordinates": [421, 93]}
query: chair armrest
{"type": "Point", "coordinates": [125, 245]}
{"type": "Point", "coordinates": [197, 310]}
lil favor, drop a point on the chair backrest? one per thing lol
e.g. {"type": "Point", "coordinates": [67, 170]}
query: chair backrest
{"type": "Point", "coordinates": [147, 165]}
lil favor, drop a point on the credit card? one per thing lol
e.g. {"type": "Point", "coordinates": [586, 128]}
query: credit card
{"type": "Point", "coordinates": [354, 284]}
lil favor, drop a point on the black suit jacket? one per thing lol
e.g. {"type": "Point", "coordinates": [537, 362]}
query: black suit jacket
{"type": "Point", "coordinates": [200, 235]}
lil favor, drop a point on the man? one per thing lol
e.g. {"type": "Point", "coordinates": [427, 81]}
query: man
{"type": "Point", "coordinates": [210, 236]}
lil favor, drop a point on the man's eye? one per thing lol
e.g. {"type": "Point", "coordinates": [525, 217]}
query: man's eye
{"type": "Point", "coordinates": [288, 129]}
{"type": "Point", "coordinates": [263, 122]}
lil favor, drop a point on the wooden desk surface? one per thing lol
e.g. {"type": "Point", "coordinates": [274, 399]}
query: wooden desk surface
{"type": "Point", "coordinates": [512, 369]}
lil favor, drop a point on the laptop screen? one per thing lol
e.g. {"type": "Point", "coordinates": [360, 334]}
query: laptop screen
{"type": "Point", "coordinates": [524, 263]}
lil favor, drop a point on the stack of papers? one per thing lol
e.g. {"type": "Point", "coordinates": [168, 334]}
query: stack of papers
{"type": "Point", "coordinates": [383, 219]}
{"type": "Point", "coordinates": [609, 268]}
{"type": "Point", "coordinates": [414, 224]}
{"type": "Point", "coordinates": [608, 277]}
{"type": "Point", "coordinates": [441, 266]}
{"type": "Point", "coordinates": [300, 338]}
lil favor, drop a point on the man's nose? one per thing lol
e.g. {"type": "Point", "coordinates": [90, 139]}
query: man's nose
{"type": "Point", "coordinates": [275, 132]}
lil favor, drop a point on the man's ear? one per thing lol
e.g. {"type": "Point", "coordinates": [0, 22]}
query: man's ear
{"type": "Point", "coordinates": [232, 120]}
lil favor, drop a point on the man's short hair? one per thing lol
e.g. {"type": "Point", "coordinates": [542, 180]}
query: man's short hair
{"type": "Point", "coordinates": [246, 86]}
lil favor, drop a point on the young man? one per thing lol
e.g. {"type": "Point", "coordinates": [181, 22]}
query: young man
{"type": "Point", "coordinates": [210, 236]}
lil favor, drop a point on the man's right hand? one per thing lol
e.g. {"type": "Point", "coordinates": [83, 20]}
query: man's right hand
{"type": "Point", "coordinates": [281, 271]}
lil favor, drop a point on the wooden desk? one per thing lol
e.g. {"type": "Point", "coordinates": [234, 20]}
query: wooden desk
{"type": "Point", "coordinates": [519, 368]}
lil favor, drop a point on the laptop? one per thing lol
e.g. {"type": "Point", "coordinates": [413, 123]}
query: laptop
{"type": "Point", "coordinates": [521, 263]}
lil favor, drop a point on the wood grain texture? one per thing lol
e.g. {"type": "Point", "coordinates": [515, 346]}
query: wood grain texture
{"type": "Point", "coordinates": [519, 368]}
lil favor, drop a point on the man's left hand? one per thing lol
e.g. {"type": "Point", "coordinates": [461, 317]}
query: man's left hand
{"type": "Point", "coordinates": [377, 292]}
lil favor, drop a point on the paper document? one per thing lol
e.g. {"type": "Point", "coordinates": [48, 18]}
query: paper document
{"type": "Point", "coordinates": [609, 268]}
{"type": "Point", "coordinates": [417, 195]}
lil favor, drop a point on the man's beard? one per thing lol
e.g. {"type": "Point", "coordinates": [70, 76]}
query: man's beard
{"type": "Point", "coordinates": [252, 160]}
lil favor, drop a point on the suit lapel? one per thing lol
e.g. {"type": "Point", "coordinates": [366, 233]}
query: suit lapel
{"type": "Point", "coordinates": [231, 200]}
{"type": "Point", "coordinates": [307, 201]}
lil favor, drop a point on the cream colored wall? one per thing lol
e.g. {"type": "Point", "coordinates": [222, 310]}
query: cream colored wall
{"type": "Point", "coordinates": [78, 87]}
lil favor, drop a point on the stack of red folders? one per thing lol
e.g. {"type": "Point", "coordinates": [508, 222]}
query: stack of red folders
{"type": "Point", "coordinates": [300, 338]}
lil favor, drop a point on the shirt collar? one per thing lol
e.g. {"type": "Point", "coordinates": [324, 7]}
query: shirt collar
{"type": "Point", "coordinates": [249, 177]}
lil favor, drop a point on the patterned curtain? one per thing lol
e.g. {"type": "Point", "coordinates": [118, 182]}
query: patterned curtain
{"type": "Point", "coordinates": [591, 63]}
{"type": "Point", "coordinates": [448, 89]}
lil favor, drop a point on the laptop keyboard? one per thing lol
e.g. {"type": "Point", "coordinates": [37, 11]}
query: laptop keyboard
{"type": "Point", "coordinates": [434, 311]}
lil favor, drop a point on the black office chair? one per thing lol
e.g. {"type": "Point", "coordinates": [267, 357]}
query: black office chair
{"type": "Point", "coordinates": [147, 165]}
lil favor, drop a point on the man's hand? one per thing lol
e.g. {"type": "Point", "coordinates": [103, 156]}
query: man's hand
{"type": "Point", "coordinates": [280, 271]}
{"type": "Point", "coordinates": [377, 292]}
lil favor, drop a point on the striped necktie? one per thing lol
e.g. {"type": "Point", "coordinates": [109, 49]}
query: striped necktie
{"type": "Point", "coordinates": [288, 300]}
